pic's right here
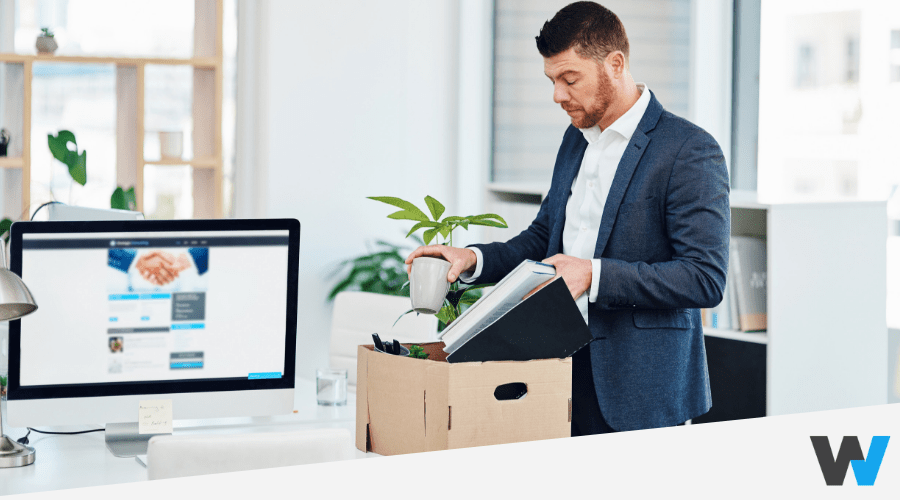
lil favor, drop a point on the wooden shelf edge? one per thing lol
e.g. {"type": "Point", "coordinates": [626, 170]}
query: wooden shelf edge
{"type": "Point", "coordinates": [210, 163]}
{"type": "Point", "coordinates": [758, 337]}
{"type": "Point", "coordinates": [518, 188]}
{"type": "Point", "coordinates": [10, 162]}
{"type": "Point", "coordinates": [199, 62]}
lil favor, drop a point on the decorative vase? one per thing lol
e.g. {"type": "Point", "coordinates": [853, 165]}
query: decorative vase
{"type": "Point", "coordinates": [46, 45]}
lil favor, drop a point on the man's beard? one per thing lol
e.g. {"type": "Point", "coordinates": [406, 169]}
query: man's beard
{"type": "Point", "coordinates": [603, 97]}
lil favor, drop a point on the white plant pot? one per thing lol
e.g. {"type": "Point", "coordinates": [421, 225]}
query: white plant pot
{"type": "Point", "coordinates": [428, 285]}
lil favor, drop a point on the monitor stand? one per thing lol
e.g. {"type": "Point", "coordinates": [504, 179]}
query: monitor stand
{"type": "Point", "coordinates": [123, 440]}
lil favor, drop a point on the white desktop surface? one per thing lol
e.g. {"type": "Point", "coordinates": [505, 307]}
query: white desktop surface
{"type": "Point", "coordinates": [63, 462]}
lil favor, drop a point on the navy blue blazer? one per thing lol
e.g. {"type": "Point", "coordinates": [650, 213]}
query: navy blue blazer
{"type": "Point", "coordinates": [663, 245]}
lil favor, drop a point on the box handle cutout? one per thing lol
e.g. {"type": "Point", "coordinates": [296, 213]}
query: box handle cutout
{"type": "Point", "coordinates": [512, 390]}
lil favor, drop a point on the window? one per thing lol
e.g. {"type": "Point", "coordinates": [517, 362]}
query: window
{"type": "Point", "coordinates": [828, 106]}
{"type": "Point", "coordinates": [895, 56]}
{"type": "Point", "coordinates": [852, 72]}
{"type": "Point", "coordinates": [112, 50]}
{"type": "Point", "coordinates": [806, 65]}
{"type": "Point", "coordinates": [528, 125]}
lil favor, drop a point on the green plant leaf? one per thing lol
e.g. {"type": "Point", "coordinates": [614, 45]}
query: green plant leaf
{"type": "Point", "coordinates": [408, 208]}
{"type": "Point", "coordinates": [444, 315]}
{"type": "Point", "coordinates": [476, 287]}
{"type": "Point", "coordinates": [5, 224]}
{"type": "Point", "coordinates": [464, 224]}
{"type": "Point", "coordinates": [435, 207]}
{"type": "Point", "coordinates": [488, 223]}
{"type": "Point", "coordinates": [430, 234]}
{"type": "Point", "coordinates": [486, 216]}
{"type": "Point", "coordinates": [122, 199]}
{"type": "Point", "coordinates": [420, 225]}
{"type": "Point", "coordinates": [401, 317]}
{"type": "Point", "coordinates": [76, 162]}
{"type": "Point", "coordinates": [58, 145]}
{"type": "Point", "coordinates": [408, 215]}
{"type": "Point", "coordinates": [445, 230]}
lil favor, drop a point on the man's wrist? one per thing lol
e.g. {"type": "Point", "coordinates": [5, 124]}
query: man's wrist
{"type": "Point", "coordinates": [474, 272]}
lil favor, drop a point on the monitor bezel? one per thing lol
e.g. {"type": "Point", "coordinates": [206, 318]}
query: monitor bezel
{"type": "Point", "coordinates": [17, 392]}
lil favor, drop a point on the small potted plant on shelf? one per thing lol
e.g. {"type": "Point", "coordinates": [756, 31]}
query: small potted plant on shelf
{"type": "Point", "coordinates": [3, 386]}
{"type": "Point", "coordinates": [46, 43]}
{"type": "Point", "coordinates": [450, 299]}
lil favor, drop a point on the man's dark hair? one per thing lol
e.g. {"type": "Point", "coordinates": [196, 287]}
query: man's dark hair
{"type": "Point", "coordinates": [592, 29]}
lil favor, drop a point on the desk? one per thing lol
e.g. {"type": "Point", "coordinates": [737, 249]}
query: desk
{"type": "Point", "coordinates": [82, 460]}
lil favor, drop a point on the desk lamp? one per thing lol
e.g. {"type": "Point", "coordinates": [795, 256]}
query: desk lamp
{"type": "Point", "coordinates": [15, 301]}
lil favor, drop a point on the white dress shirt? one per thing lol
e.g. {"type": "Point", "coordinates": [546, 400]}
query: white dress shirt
{"type": "Point", "coordinates": [584, 209]}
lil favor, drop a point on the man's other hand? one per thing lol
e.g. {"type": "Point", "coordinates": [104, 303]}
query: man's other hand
{"type": "Point", "coordinates": [574, 271]}
{"type": "Point", "coordinates": [461, 259]}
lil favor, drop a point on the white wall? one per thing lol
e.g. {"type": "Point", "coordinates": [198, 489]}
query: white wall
{"type": "Point", "coordinates": [357, 99]}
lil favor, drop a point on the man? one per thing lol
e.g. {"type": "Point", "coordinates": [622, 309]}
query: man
{"type": "Point", "coordinates": [636, 222]}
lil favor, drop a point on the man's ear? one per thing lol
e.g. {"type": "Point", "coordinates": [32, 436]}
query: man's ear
{"type": "Point", "coordinates": [616, 61]}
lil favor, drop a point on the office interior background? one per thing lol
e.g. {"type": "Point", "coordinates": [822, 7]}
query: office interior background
{"type": "Point", "coordinates": [326, 103]}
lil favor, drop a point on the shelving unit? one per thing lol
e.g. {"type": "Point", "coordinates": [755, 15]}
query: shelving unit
{"type": "Point", "coordinates": [207, 163]}
{"type": "Point", "coordinates": [826, 343]}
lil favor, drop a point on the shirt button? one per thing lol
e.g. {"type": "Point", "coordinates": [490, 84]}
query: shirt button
{"type": "Point", "coordinates": [591, 184]}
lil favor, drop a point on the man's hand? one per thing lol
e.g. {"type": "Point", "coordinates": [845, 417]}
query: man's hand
{"type": "Point", "coordinates": [574, 271]}
{"type": "Point", "coordinates": [461, 259]}
{"type": "Point", "coordinates": [158, 267]}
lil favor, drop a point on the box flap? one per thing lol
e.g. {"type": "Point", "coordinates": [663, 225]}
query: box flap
{"type": "Point", "coordinates": [362, 406]}
{"type": "Point", "coordinates": [395, 395]}
{"type": "Point", "coordinates": [479, 418]}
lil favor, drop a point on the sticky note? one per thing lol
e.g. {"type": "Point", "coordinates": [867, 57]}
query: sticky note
{"type": "Point", "coordinates": [155, 416]}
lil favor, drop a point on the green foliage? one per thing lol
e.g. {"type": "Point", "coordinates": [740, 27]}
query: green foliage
{"type": "Point", "coordinates": [381, 271]}
{"type": "Point", "coordinates": [436, 225]}
{"type": "Point", "coordinates": [458, 299]}
{"type": "Point", "coordinates": [3, 379]}
{"type": "Point", "coordinates": [123, 199]}
{"type": "Point", "coordinates": [77, 163]}
{"type": "Point", "coordinates": [416, 351]}
{"type": "Point", "coordinates": [46, 32]}
{"type": "Point", "coordinates": [5, 224]}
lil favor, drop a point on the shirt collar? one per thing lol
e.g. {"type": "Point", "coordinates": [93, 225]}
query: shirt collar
{"type": "Point", "coordinates": [626, 124]}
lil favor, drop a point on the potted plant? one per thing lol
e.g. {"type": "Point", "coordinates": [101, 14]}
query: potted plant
{"type": "Point", "coordinates": [457, 297]}
{"type": "Point", "coordinates": [46, 43]}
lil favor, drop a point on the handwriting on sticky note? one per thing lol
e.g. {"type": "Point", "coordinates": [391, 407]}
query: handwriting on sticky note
{"type": "Point", "coordinates": [155, 416]}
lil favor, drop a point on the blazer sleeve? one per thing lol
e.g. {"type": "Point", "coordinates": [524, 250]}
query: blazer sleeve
{"type": "Point", "coordinates": [698, 227]}
{"type": "Point", "coordinates": [532, 243]}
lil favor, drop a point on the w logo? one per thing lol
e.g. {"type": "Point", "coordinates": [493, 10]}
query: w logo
{"type": "Point", "coordinates": [864, 468]}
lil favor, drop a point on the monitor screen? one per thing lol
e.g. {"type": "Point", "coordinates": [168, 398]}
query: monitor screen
{"type": "Point", "coordinates": [153, 307]}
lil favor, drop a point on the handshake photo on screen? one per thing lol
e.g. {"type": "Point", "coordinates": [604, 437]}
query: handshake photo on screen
{"type": "Point", "coordinates": [160, 269]}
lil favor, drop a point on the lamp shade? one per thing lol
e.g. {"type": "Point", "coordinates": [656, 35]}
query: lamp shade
{"type": "Point", "coordinates": [15, 298]}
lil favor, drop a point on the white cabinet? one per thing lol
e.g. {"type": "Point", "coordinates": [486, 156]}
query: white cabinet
{"type": "Point", "coordinates": [826, 346]}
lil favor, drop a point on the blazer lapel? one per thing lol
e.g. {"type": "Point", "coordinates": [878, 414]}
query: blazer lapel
{"type": "Point", "coordinates": [563, 190]}
{"type": "Point", "coordinates": [627, 165]}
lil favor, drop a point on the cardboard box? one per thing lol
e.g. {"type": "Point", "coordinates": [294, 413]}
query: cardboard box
{"type": "Point", "coordinates": [407, 405]}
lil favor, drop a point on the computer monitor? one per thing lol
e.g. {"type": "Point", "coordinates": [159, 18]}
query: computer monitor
{"type": "Point", "coordinates": [61, 211]}
{"type": "Point", "coordinates": [199, 312]}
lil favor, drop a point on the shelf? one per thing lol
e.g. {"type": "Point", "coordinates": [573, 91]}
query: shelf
{"type": "Point", "coordinates": [756, 337]}
{"type": "Point", "coordinates": [198, 62]}
{"type": "Point", "coordinates": [196, 162]}
{"type": "Point", "coordinates": [519, 188]}
{"type": "Point", "coordinates": [8, 162]}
